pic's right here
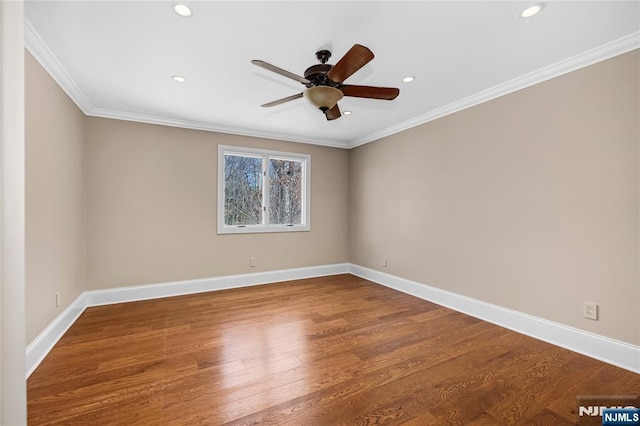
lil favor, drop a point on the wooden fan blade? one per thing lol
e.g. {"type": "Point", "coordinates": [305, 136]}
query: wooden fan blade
{"type": "Point", "coordinates": [372, 92]}
{"type": "Point", "coordinates": [357, 57]}
{"type": "Point", "coordinates": [281, 101]}
{"type": "Point", "coordinates": [280, 71]}
{"type": "Point", "coordinates": [332, 113]}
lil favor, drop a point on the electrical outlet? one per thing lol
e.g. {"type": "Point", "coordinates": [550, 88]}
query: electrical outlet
{"type": "Point", "coordinates": [590, 310]}
{"type": "Point", "coordinates": [252, 262]}
{"type": "Point", "coordinates": [384, 262]}
{"type": "Point", "coordinates": [57, 299]}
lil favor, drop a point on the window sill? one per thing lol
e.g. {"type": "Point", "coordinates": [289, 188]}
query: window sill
{"type": "Point", "coordinates": [257, 229]}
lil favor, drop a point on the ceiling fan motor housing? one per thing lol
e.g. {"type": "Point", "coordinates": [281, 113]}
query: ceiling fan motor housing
{"type": "Point", "coordinates": [317, 75]}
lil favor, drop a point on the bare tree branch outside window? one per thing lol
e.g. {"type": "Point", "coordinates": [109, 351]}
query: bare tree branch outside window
{"type": "Point", "coordinates": [285, 192]}
{"type": "Point", "coordinates": [243, 191]}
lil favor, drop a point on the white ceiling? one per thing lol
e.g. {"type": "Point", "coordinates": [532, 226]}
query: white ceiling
{"type": "Point", "coordinates": [116, 58]}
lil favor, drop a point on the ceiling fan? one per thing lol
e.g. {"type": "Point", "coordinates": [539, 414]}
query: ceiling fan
{"type": "Point", "coordinates": [324, 81]}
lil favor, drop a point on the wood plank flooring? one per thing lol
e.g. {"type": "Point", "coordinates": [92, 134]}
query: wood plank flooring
{"type": "Point", "coordinates": [324, 351]}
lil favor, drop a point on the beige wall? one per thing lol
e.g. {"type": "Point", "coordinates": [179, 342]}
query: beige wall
{"type": "Point", "coordinates": [151, 207]}
{"type": "Point", "coordinates": [529, 201]}
{"type": "Point", "coordinates": [55, 228]}
{"type": "Point", "coordinates": [113, 203]}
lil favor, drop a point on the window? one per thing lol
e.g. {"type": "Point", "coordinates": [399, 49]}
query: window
{"type": "Point", "coordinates": [262, 191]}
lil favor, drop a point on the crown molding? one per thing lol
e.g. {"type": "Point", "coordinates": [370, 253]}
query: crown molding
{"type": "Point", "coordinates": [38, 48]}
{"type": "Point", "coordinates": [209, 127]}
{"type": "Point", "coordinates": [617, 47]}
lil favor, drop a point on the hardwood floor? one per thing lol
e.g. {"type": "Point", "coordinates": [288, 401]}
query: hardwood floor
{"type": "Point", "coordinates": [323, 351]}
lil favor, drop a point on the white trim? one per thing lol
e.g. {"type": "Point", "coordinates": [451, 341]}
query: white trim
{"type": "Point", "coordinates": [178, 288]}
{"type": "Point", "coordinates": [38, 48]}
{"type": "Point", "coordinates": [621, 354]}
{"type": "Point", "coordinates": [13, 388]}
{"type": "Point", "coordinates": [209, 127]}
{"type": "Point", "coordinates": [265, 155]}
{"type": "Point", "coordinates": [602, 348]}
{"type": "Point", "coordinates": [41, 345]}
{"type": "Point", "coordinates": [617, 47]}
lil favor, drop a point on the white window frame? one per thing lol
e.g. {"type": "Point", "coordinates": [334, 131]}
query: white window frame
{"type": "Point", "coordinates": [265, 226]}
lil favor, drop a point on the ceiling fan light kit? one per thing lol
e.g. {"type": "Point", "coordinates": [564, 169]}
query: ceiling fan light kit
{"type": "Point", "coordinates": [323, 97]}
{"type": "Point", "coordinates": [324, 81]}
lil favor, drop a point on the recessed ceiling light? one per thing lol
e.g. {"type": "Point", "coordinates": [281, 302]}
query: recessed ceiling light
{"type": "Point", "coordinates": [532, 10]}
{"type": "Point", "coordinates": [408, 79]}
{"type": "Point", "coordinates": [179, 78]}
{"type": "Point", "coordinates": [347, 113]}
{"type": "Point", "coordinates": [182, 10]}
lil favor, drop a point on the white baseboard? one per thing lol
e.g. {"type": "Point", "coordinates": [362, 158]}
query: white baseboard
{"type": "Point", "coordinates": [602, 348]}
{"type": "Point", "coordinates": [41, 345]}
{"type": "Point", "coordinates": [611, 351]}
{"type": "Point", "coordinates": [177, 288]}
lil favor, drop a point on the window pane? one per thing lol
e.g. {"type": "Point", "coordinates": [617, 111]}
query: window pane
{"type": "Point", "coordinates": [285, 192]}
{"type": "Point", "coordinates": [262, 191]}
{"type": "Point", "coordinates": [242, 190]}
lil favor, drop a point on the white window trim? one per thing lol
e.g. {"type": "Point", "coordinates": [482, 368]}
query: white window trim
{"type": "Point", "coordinates": [252, 229]}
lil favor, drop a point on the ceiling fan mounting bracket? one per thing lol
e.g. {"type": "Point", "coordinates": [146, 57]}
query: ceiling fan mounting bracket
{"type": "Point", "coordinates": [323, 56]}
